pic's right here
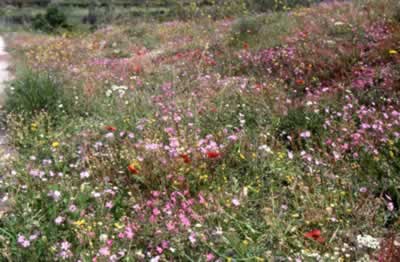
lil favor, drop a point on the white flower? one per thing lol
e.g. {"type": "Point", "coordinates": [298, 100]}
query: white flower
{"type": "Point", "coordinates": [236, 202]}
{"type": "Point", "coordinates": [368, 241]}
{"type": "Point", "coordinates": [103, 237]}
{"type": "Point", "coordinates": [59, 220]}
{"type": "Point", "coordinates": [155, 259]}
{"type": "Point", "coordinates": [305, 134]}
{"type": "Point", "coordinates": [56, 195]}
{"type": "Point", "coordinates": [290, 154]}
{"type": "Point", "coordinates": [339, 23]}
{"type": "Point", "coordinates": [265, 148]}
{"type": "Point", "coordinates": [84, 174]}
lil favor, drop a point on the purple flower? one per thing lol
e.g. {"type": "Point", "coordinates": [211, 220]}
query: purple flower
{"type": "Point", "coordinates": [104, 251]}
{"type": "Point", "coordinates": [84, 174]}
{"type": "Point", "coordinates": [59, 220]}
{"type": "Point", "coordinates": [232, 137]}
{"type": "Point", "coordinates": [72, 208]}
{"type": "Point", "coordinates": [23, 241]}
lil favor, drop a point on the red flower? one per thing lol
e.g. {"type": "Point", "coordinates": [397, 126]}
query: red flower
{"type": "Point", "coordinates": [186, 158]}
{"type": "Point", "coordinates": [300, 82]}
{"type": "Point", "coordinates": [258, 86]}
{"type": "Point", "coordinates": [111, 128]}
{"type": "Point", "coordinates": [315, 235]}
{"type": "Point", "coordinates": [213, 154]}
{"type": "Point", "coordinates": [246, 45]}
{"type": "Point", "coordinates": [132, 168]}
{"type": "Point", "coordinates": [137, 69]}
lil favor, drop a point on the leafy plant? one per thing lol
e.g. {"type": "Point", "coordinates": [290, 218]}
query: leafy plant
{"type": "Point", "coordinates": [33, 92]}
{"type": "Point", "coordinates": [51, 21]}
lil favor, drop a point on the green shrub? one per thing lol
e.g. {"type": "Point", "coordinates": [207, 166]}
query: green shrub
{"type": "Point", "coordinates": [33, 92]}
{"type": "Point", "coordinates": [212, 9]}
{"type": "Point", "coordinates": [244, 28]}
{"type": "Point", "coordinates": [247, 25]}
{"type": "Point", "coordinates": [278, 5]}
{"type": "Point", "coordinates": [53, 20]}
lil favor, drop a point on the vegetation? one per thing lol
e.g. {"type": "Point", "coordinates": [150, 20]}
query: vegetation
{"type": "Point", "coordinates": [53, 20]}
{"type": "Point", "coordinates": [215, 136]}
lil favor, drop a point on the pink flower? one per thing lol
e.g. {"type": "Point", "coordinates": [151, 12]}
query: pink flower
{"type": "Point", "coordinates": [185, 221]}
{"type": "Point", "coordinates": [23, 241]}
{"type": "Point", "coordinates": [210, 257]}
{"type": "Point", "coordinates": [109, 204]}
{"type": "Point", "coordinates": [170, 226]}
{"type": "Point", "coordinates": [59, 220]}
{"type": "Point", "coordinates": [129, 234]}
{"type": "Point", "coordinates": [156, 211]}
{"type": "Point", "coordinates": [104, 251]}
{"type": "Point", "coordinates": [72, 208]}
{"type": "Point", "coordinates": [236, 202]}
{"type": "Point", "coordinates": [232, 137]}
{"type": "Point", "coordinates": [65, 245]}
{"type": "Point", "coordinates": [192, 238]}
{"type": "Point", "coordinates": [390, 206]}
{"type": "Point", "coordinates": [160, 250]}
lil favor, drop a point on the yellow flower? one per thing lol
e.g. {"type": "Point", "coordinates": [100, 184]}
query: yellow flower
{"type": "Point", "coordinates": [392, 52]}
{"type": "Point", "coordinates": [79, 222]}
{"type": "Point", "coordinates": [391, 154]}
{"type": "Point", "coordinates": [118, 225]}
{"type": "Point", "coordinates": [34, 126]}
{"type": "Point", "coordinates": [55, 144]}
{"type": "Point", "coordinates": [281, 155]}
{"type": "Point", "coordinates": [204, 178]}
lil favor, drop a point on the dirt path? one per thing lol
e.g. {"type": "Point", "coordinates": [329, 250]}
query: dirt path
{"type": "Point", "coordinates": [4, 77]}
{"type": "Point", "coordinates": [5, 152]}
{"type": "Point", "coordinates": [4, 74]}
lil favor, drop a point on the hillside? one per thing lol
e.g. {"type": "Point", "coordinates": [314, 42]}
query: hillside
{"type": "Point", "coordinates": [227, 135]}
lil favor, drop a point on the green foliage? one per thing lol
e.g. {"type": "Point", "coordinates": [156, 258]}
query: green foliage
{"type": "Point", "coordinates": [53, 20]}
{"type": "Point", "coordinates": [246, 27]}
{"type": "Point", "coordinates": [212, 9]}
{"type": "Point", "coordinates": [33, 92]}
{"type": "Point", "coordinates": [278, 5]}
{"type": "Point", "coordinates": [300, 120]}
{"type": "Point", "coordinates": [261, 31]}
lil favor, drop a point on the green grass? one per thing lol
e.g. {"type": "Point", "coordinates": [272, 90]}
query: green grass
{"type": "Point", "coordinates": [228, 142]}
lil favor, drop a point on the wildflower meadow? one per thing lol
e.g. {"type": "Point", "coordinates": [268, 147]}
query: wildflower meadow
{"type": "Point", "coordinates": [227, 133]}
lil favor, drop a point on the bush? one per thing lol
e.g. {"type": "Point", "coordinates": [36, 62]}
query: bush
{"type": "Point", "coordinates": [212, 9]}
{"type": "Point", "coordinates": [278, 5]}
{"type": "Point", "coordinates": [53, 20]}
{"type": "Point", "coordinates": [246, 27]}
{"type": "Point", "coordinates": [33, 92]}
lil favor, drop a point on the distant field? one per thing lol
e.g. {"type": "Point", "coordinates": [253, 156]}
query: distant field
{"type": "Point", "coordinates": [76, 13]}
